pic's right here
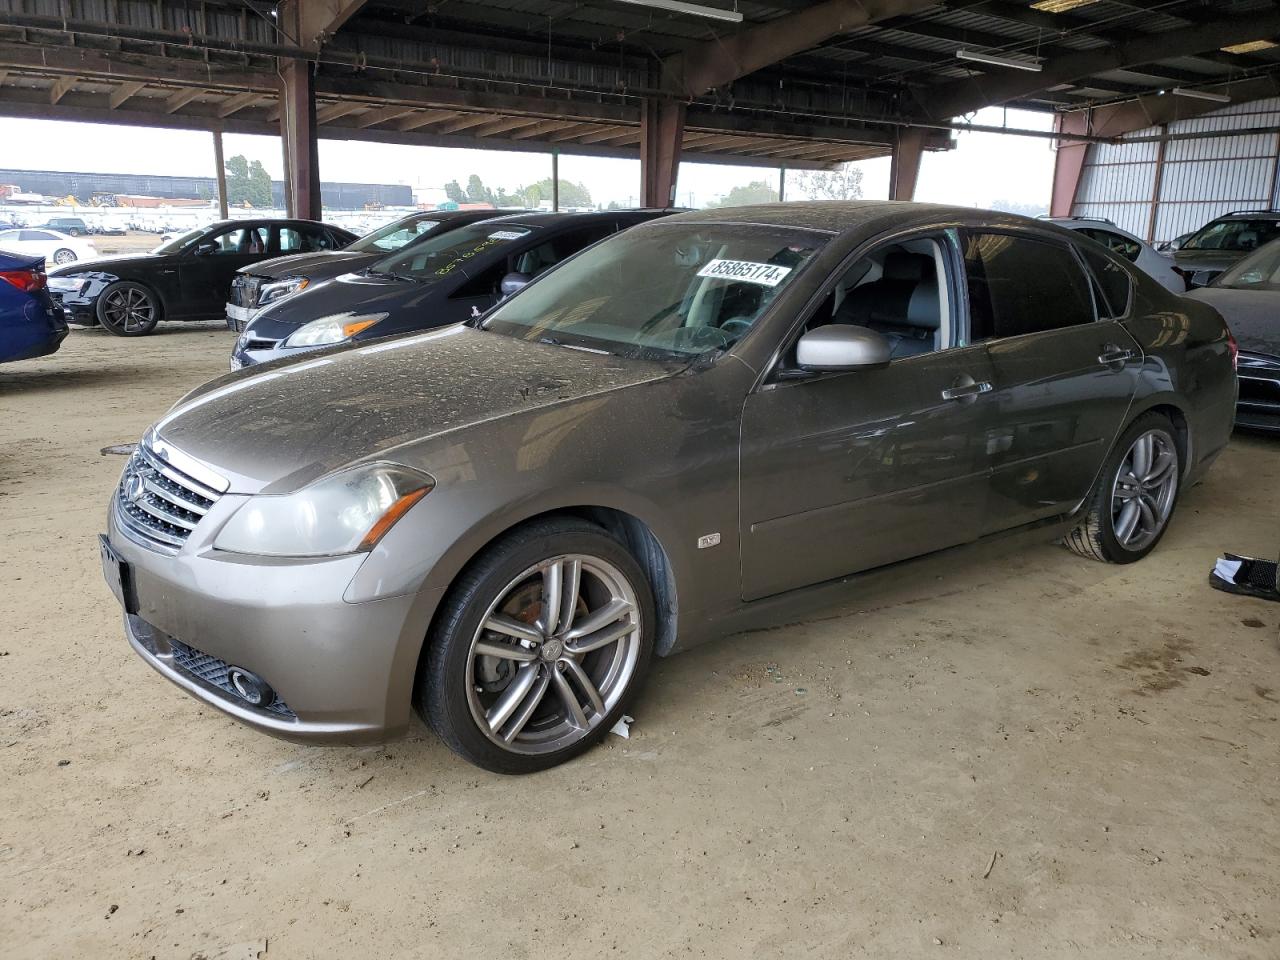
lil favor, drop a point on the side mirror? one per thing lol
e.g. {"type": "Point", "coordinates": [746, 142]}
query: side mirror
{"type": "Point", "coordinates": [842, 347]}
{"type": "Point", "coordinates": [513, 283]}
{"type": "Point", "coordinates": [205, 249]}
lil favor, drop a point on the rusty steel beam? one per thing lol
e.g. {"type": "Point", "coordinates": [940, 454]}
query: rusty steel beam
{"type": "Point", "coordinates": [298, 132]}
{"type": "Point", "coordinates": [984, 90]}
{"type": "Point", "coordinates": [237, 103]}
{"type": "Point", "coordinates": [661, 135]}
{"type": "Point", "coordinates": [312, 23]}
{"type": "Point", "coordinates": [724, 59]}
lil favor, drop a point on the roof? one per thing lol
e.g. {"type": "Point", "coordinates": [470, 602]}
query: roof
{"type": "Point", "coordinates": [536, 74]}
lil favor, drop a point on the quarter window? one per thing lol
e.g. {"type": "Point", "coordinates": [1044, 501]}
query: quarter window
{"type": "Point", "coordinates": [1113, 282]}
{"type": "Point", "coordinates": [1018, 285]}
{"type": "Point", "coordinates": [1129, 249]}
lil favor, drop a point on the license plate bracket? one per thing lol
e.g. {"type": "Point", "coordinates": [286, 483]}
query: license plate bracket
{"type": "Point", "coordinates": [118, 574]}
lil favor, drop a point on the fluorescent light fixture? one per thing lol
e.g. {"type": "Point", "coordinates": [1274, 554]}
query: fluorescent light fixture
{"type": "Point", "coordinates": [1059, 6]}
{"type": "Point", "coordinates": [1200, 95]}
{"type": "Point", "coordinates": [1253, 46]}
{"type": "Point", "coordinates": [998, 61]}
{"type": "Point", "coordinates": [692, 9]}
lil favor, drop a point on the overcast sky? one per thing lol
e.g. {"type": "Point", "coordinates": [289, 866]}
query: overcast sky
{"type": "Point", "coordinates": [983, 170]}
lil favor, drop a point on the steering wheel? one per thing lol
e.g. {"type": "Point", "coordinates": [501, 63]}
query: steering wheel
{"type": "Point", "coordinates": [735, 327]}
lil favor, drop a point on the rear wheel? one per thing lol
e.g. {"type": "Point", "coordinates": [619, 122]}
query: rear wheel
{"type": "Point", "coordinates": [1130, 509]}
{"type": "Point", "coordinates": [539, 647]}
{"type": "Point", "coordinates": [128, 309]}
{"type": "Point", "coordinates": [63, 255]}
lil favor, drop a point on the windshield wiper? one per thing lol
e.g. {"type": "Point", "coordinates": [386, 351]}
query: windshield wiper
{"type": "Point", "coordinates": [391, 274]}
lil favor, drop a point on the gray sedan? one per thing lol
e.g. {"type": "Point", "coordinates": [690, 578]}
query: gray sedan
{"type": "Point", "coordinates": [500, 523]}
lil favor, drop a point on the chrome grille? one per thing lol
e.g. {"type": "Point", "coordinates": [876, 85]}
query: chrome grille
{"type": "Point", "coordinates": [217, 673]}
{"type": "Point", "coordinates": [158, 503]}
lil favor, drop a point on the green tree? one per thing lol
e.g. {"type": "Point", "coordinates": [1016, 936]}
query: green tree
{"type": "Point", "coordinates": [744, 196]}
{"type": "Point", "coordinates": [453, 190]}
{"type": "Point", "coordinates": [247, 183]}
{"type": "Point", "coordinates": [477, 192]}
{"type": "Point", "coordinates": [571, 194]}
{"type": "Point", "coordinates": [844, 183]}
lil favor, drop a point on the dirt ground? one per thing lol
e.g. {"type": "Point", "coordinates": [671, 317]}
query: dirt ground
{"type": "Point", "coordinates": [1025, 755]}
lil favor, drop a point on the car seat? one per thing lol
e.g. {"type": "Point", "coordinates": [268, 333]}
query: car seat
{"type": "Point", "coordinates": [903, 305]}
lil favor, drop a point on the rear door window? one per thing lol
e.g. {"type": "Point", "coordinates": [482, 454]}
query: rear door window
{"type": "Point", "coordinates": [1116, 243]}
{"type": "Point", "coordinates": [1019, 285]}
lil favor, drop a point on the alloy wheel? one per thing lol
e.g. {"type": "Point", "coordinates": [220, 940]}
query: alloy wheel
{"type": "Point", "coordinates": [1144, 490]}
{"type": "Point", "coordinates": [130, 309]}
{"type": "Point", "coordinates": [64, 256]}
{"type": "Point", "coordinates": [554, 654]}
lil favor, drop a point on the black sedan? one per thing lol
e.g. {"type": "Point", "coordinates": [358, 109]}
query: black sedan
{"type": "Point", "coordinates": [270, 281]}
{"type": "Point", "coordinates": [185, 278]}
{"type": "Point", "coordinates": [1248, 297]}
{"type": "Point", "coordinates": [445, 279]}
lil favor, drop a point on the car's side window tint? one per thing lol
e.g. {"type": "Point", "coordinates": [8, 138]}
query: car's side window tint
{"type": "Point", "coordinates": [900, 291]}
{"type": "Point", "coordinates": [240, 240]}
{"type": "Point", "coordinates": [1019, 285]}
{"type": "Point", "coordinates": [1114, 283]}
{"type": "Point", "coordinates": [1115, 243]}
{"type": "Point", "coordinates": [484, 284]}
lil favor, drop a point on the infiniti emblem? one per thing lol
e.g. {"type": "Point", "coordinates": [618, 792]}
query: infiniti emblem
{"type": "Point", "coordinates": [134, 488]}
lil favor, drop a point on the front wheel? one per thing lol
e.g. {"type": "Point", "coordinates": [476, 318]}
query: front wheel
{"type": "Point", "coordinates": [1129, 510]}
{"type": "Point", "coordinates": [539, 647]}
{"type": "Point", "coordinates": [128, 309]}
{"type": "Point", "coordinates": [63, 255]}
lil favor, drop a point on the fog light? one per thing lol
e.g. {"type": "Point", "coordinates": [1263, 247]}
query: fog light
{"type": "Point", "coordinates": [251, 688]}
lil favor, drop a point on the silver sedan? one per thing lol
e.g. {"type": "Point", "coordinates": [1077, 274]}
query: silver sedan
{"type": "Point", "coordinates": [500, 523]}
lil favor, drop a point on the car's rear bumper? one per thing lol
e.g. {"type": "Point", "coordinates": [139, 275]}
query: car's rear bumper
{"type": "Point", "coordinates": [342, 672]}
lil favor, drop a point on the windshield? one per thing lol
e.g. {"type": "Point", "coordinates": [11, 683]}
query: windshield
{"type": "Point", "coordinates": [1258, 271]}
{"type": "Point", "coordinates": [437, 257]}
{"type": "Point", "coordinates": [1233, 235]}
{"type": "Point", "coordinates": [393, 236]}
{"type": "Point", "coordinates": [662, 290]}
{"type": "Point", "coordinates": [180, 241]}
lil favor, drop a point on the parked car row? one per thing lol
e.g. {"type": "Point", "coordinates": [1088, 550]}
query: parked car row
{"type": "Point", "coordinates": [633, 441]}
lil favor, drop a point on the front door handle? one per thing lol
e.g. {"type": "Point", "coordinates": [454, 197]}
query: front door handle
{"type": "Point", "coordinates": [1112, 355]}
{"type": "Point", "coordinates": [966, 391]}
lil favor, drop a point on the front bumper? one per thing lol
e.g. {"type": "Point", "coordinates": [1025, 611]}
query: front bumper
{"type": "Point", "coordinates": [344, 670]}
{"type": "Point", "coordinates": [250, 351]}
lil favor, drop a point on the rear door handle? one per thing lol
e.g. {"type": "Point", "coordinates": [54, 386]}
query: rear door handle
{"type": "Point", "coordinates": [966, 391]}
{"type": "Point", "coordinates": [1112, 355]}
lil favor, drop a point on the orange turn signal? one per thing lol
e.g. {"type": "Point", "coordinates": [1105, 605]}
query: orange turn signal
{"type": "Point", "coordinates": [394, 513]}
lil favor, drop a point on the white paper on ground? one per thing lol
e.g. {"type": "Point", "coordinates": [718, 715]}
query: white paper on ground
{"type": "Point", "coordinates": [620, 728]}
{"type": "Point", "coordinates": [1227, 569]}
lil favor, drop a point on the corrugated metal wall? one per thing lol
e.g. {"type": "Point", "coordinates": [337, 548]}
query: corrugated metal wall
{"type": "Point", "coordinates": [1198, 179]}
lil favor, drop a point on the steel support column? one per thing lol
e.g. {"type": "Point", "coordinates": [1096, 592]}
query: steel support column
{"type": "Point", "coordinates": [1068, 162]}
{"type": "Point", "coordinates": [661, 133]}
{"type": "Point", "coordinates": [221, 165]}
{"type": "Point", "coordinates": [904, 167]}
{"type": "Point", "coordinates": [298, 133]}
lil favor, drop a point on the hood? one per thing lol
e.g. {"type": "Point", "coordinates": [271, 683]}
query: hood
{"type": "Point", "coordinates": [1252, 315]}
{"type": "Point", "coordinates": [1208, 259]}
{"type": "Point", "coordinates": [108, 264]}
{"type": "Point", "coordinates": [320, 265]}
{"type": "Point", "coordinates": [355, 293]}
{"type": "Point", "coordinates": [278, 428]}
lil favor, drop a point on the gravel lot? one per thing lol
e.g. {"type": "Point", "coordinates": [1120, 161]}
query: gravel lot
{"type": "Point", "coordinates": [1015, 753]}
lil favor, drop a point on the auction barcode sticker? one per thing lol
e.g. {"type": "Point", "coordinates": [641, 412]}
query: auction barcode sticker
{"type": "Point", "coordinates": [748, 271]}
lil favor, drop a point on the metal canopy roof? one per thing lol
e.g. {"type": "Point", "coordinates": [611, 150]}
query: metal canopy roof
{"type": "Point", "coordinates": [532, 74]}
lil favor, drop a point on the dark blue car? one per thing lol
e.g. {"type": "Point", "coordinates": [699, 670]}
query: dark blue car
{"type": "Point", "coordinates": [31, 324]}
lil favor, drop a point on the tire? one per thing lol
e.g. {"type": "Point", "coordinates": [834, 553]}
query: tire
{"type": "Point", "coordinates": [63, 255]}
{"type": "Point", "coordinates": [1109, 531]}
{"type": "Point", "coordinates": [513, 715]}
{"type": "Point", "coordinates": [128, 309]}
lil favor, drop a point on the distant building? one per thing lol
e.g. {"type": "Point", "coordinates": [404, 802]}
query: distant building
{"type": "Point", "coordinates": [85, 186]}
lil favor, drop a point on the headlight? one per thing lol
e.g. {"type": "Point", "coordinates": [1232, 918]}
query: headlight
{"type": "Point", "coordinates": [66, 284]}
{"type": "Point", "coordinates": [334, 329]}
{"type": "Point", "coordinates": [279, 289]}
{"type": "Point", "coordinates": [345, 512]}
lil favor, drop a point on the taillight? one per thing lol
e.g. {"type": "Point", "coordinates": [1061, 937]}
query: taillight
{"type": "Point", "coordinates": [1234, 348]}
{"type": "Point", "coordinates": [29, 280]}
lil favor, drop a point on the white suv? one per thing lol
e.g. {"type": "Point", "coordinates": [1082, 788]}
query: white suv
{"type": "Point", "coordinates": [1138, 252]}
